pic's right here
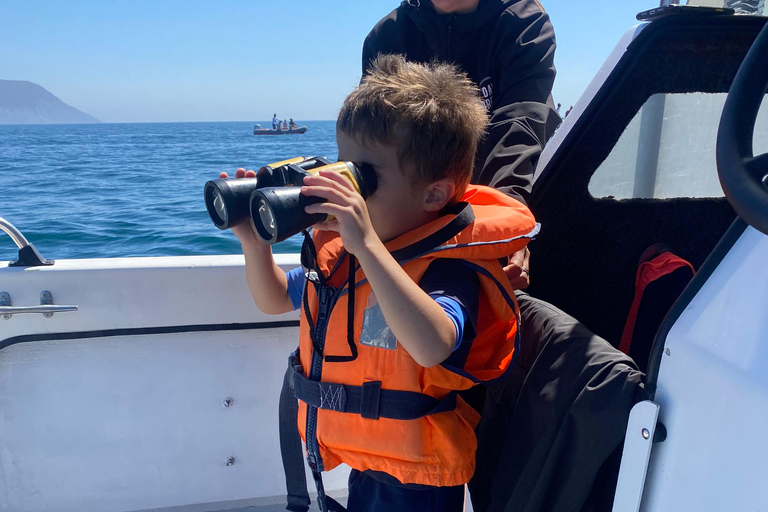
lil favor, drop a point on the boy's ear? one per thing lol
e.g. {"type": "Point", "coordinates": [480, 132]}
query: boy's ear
{"type": "Point", "coordinates": [437, 194]}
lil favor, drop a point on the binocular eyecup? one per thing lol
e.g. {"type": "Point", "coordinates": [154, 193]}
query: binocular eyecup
{"type": "Point", "coordinates": [273, 198]}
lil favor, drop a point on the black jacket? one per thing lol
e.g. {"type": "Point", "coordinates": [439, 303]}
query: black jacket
{"type": "Point", "coordinates": [550, 435]}
{"type": "Point", "coordinates": [507, 48]}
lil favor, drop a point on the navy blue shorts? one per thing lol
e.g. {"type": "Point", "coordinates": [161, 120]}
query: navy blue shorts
{"type": "Point", "coordinates": [369, 494]}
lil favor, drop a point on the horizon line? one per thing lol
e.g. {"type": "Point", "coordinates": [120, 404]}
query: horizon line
{"type": "Point", "coordinates": [151, 122]}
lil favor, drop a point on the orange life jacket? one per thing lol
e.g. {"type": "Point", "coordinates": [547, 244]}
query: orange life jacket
{"type": "Point", "coordinates": [407, 420]}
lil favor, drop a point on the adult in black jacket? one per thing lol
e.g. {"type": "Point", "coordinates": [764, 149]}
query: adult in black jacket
{"type": "Point", "coordinates": [507, 48]}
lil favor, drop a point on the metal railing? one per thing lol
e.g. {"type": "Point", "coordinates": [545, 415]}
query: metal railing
{"type": "Point", "coordinates": [28, 255]}
{"type": "Point", "coordinates": [14, 233]}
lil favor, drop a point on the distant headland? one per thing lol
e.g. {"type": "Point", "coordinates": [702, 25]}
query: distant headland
{"type": "Point", "coordinates": [23, 102]}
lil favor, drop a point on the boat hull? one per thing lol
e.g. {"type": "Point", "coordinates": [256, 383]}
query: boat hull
{"type": "Point", "coordinates": [297, 131]}
{"type": "Point", "coordinates": [122, 404]}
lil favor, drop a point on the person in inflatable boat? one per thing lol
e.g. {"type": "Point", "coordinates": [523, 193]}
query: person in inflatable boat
{"type": "Point", "coordinates": [403, 299]}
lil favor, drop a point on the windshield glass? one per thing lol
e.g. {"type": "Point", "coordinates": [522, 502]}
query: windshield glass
{"type": "Point", "coordinates": [668, 150]}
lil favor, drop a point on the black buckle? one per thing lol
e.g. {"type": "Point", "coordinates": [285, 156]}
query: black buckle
{"type": "Point", "coordinates": [309, 261]}
{"type": "Point", "coordinates": [295, 366]}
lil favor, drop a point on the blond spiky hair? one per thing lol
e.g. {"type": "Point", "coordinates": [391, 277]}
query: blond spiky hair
{"type": "Point", "coordinates": [432, 113]}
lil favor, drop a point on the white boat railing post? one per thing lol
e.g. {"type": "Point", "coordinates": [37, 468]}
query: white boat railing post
{"type": "Point", "coordinates": [635, 457]}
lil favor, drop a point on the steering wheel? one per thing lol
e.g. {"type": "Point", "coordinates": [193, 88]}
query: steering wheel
{"type": "Point", "coordinates": [743, 176]}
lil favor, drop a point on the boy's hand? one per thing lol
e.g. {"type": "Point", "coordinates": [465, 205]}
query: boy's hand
{"type": "Point", "coordinates": [343, 202]}
{"type": "Point", "coordinates": [244, 230]}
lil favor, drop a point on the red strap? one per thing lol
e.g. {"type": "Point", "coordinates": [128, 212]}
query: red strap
{"type": "Point", "coordinates": [647, 273]}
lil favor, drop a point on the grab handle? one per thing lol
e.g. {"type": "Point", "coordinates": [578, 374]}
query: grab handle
{"type": "Point", "coordinates": [46, 307]}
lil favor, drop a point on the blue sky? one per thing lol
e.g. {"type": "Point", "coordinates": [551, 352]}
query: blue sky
{"type": "Point", "coordinates": [155, 61]}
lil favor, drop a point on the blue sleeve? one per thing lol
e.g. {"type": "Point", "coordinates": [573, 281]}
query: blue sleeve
{"type": "Point", "coordinates": [456, 312]}
{"type": "Point", "coordinates": [295, 286]}
{"type": "Point", "coordinates": [456, 288]}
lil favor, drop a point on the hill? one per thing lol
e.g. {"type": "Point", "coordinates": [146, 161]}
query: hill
{"type": "Point", "coordinates": [23, 102]}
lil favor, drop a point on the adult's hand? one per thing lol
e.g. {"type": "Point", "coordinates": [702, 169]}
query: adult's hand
{"type": "Point", "coordinates": [517, 269]}
{"type": "Point", "coordinates": [240, 173]}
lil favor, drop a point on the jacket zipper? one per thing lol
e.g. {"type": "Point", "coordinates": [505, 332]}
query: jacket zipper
{"type": "Point", "coordinates": [327, 297]}
{"type": "Point", "coordinates": [449, 39]}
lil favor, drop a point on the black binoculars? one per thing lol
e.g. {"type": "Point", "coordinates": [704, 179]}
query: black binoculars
{"type": "Point", "coordinates": [273, 198]}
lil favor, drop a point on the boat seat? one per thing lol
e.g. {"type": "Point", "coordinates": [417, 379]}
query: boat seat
{"type": "Point", "coordinates": [661, 278]}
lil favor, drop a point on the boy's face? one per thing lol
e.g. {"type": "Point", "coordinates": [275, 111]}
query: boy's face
{"type": "Point", "coordinates": [396, 206]}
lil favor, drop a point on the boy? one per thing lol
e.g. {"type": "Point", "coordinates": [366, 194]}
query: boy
{"type": "Point", "coordinates": [404, 301]}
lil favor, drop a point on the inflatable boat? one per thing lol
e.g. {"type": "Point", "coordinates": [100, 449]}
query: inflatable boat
{"type": "Point", "coordinates": [258, 130]}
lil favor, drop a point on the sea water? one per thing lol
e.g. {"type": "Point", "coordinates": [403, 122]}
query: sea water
{"type": "Point", "coordinates": [112, 190]}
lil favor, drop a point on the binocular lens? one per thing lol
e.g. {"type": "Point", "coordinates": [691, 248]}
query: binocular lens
{"type": "Point", "coordinates": [219, 207]}
{"type": "Point", "coordinates": [227, 200]}
{"type": "Point", "coordinates": [267, 220]}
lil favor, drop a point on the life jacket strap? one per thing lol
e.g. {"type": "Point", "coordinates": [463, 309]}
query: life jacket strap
{"type": "Point", "coordinates": [463, 217]}
{"type": "Point", "coordinates": [368, 400]}
{"type": "Point", "coordinates": [293, 458]}
{"type": "Point", "coordinates": [324, 502]}
{"type": "Point", "coordinates": [290, 448]}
